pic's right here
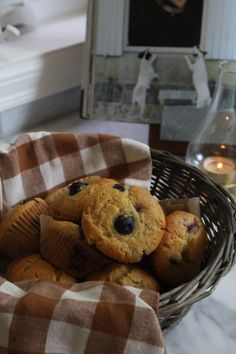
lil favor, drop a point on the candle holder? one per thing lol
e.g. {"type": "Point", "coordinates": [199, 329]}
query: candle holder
{"type": "Point", "coordinates": [213, 146]}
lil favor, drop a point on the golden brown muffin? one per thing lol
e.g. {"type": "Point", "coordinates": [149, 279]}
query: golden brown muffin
{"type": "Point", "coordinates": [20, 228]}
{"type": "Point", "coordinates": [178, 257]}
{"type": "Point", "coordinates": [35, 267]}
{"type": "Point", "coordinates": [126, 274]}
{"type": "Point", "coordinates": [123, 223]}
{"type": "Point", "coordinates": [68, 203]}
{"type": "Point", "coordinates": [63, 244]}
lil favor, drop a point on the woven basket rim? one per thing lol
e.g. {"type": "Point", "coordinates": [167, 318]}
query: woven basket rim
{"type": "Point", "coordinates": [183, 296]}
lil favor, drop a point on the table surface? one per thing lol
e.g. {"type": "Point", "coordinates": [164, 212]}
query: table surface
{"type": "Point", "coordinates": [210, 325]}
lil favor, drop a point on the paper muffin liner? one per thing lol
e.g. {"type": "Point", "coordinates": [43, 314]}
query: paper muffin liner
{"type": "Point", "coordinates": [23, 234]}
{"type": "Point", "coordinates": [68, 250]}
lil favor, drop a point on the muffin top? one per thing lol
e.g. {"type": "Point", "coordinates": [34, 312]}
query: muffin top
{"type": "Point", "coordinates": [126, 274]}
{"type": "Point", "coordinates": [178, 257]}
{"type": "Point", "coordinates": [35, 267]}
{"type": "Point", "coordinates": [123, 223]}
{"type": "Point", "coordinates": [69, 202]}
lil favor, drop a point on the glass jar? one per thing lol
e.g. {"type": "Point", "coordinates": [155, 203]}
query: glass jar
{"type": "Point", "coordinates": [213, 147]}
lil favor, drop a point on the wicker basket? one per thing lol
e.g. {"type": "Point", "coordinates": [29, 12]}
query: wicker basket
{"type": "Point", "coordinates": [172, 178]}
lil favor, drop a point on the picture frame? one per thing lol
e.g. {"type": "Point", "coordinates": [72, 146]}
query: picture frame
{"type": "Point", "coordinates": [111, 72]}
{"type": "Point", "coordinates": [169, 29]}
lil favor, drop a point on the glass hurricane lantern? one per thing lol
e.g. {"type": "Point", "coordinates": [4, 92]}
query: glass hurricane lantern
{"type": "Point", "coordinates": [213, 147]}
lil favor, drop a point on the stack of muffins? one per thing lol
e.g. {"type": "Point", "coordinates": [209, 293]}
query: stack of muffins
{"type": "Point", "coordinates": [98, 229]}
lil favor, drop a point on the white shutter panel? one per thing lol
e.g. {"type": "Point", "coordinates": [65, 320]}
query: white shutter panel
{"type": "Point", "coordinates": [219, 29]}
{"type": "Point", "coordinates": [110, 27]}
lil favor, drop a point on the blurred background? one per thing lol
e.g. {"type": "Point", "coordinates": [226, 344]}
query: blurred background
{"type": "Point", "coordinates": [41, 55]}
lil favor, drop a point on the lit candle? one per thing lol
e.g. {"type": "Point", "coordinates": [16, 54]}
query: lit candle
{"type": "Point", "coordinates": [220, 169]}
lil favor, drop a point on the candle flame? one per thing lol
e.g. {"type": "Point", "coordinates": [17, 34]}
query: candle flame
{"type": "Point", "coordinates": [219, 165]}
{"type": "Point", "coordinates": [227, 118]}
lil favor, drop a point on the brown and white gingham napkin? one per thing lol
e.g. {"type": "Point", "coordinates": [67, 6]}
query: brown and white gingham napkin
{"type": "Point", "coordinates": [40, 162]}
{"type": "Point", "coordinates": [90, 317]}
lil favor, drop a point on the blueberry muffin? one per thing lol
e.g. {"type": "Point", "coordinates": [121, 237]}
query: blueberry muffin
{"type": "Point", "coordinates": [20, 228]}
{"type": "Point", "coordinates": [35, 267]}
{"type": "Point", "coordinates": [126, 274]}
{"type": "Point", "coordinates": [63, 244]}
{"type": "Point", "coordinates": [67, 203]}
{"type": "Point", "coordinates": [123, 223]}
{"type": "Point", "coordinates": [178, 257]}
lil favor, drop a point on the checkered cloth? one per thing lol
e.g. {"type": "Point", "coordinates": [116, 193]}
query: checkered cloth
{"type": "Point", "coordinates": [40, 162]}
{"type": "Point", "coordinates": [90, 317]}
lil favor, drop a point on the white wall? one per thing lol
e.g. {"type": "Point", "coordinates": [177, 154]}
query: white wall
{"type": "Point", "coordinates": [44, 9]}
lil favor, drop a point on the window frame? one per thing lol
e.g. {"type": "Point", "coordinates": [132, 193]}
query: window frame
{"type": "Point", "coordinates": [164, 50]}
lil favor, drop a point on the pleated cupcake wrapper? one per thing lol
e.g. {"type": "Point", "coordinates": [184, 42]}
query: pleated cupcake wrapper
{"type": "Point", "coordinates": [23, 237]}
{"type": "Point", "coordinates": [67, 218]}
{"type": "Point", "coordinates": [72, 255]}
{"type": "Point", "coordinates": [88, 259]}
{"type": "Point", "coordinates": [191, 205]}
{"type": "Point", "coordinates": [54, 244]}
